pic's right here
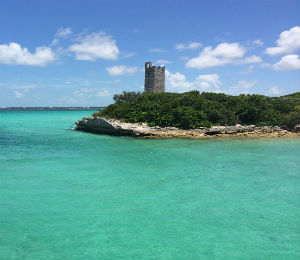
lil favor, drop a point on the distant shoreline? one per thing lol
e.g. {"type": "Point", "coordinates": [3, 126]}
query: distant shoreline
{"type": "Point", "coordinates": [48, 108]}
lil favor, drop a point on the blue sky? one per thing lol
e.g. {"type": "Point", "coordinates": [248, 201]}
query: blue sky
{"type": "Point", "coordinates": [79, 53]}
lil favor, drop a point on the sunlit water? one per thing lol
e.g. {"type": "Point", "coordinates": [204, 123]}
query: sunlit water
{"type": "Point", "coordinates": [66, 194]}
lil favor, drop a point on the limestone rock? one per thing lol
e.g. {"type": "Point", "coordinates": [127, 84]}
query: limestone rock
{"type": "Point", "coordinates": [117, 127]}
{"type": "Point", "coordinates": [296, 129]}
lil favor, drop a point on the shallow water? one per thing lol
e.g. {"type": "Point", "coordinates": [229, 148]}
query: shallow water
{"type": "Point", "coordinates": [66, 194]}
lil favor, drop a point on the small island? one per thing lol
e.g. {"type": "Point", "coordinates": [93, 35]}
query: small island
{"type": "Point", "coordinates": [196, 115]}
{"type": "Point", "coordinates": [156, 113]}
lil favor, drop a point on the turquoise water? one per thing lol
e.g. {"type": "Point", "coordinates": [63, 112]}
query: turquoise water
{"type": "Point", "coordinates": [72, 195]}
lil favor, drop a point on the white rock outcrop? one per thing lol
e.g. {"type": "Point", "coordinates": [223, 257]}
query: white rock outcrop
{"type": "Point", "coordinates": [116, 127]}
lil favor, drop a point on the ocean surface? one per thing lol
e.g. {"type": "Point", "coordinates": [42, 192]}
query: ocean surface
{"type": "Point", "coordinates": [70, 195]}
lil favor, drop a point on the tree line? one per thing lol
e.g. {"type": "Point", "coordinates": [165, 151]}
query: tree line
{"type": "Point", "coordinates": [193, 109]}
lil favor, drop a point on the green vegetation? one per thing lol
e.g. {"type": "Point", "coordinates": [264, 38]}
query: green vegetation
{"type": "Point", "coordinates": [192, 109]}
{"type": "Point", "coordinates": [293, 96]}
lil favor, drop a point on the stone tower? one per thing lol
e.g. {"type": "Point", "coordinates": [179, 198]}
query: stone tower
{"type": "Point", "coordinates": [154, 78]}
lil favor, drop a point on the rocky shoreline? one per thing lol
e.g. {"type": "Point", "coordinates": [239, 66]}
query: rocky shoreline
{"type": "Point", "coordinates": [118, 128]}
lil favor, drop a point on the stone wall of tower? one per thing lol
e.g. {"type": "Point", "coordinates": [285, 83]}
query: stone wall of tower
{"type": "Point", "coordinates": [154, 78]}
{"type": "Point", "coordinates": [159, 79]}
{"type": "Point", "coordinates": [149, 77]}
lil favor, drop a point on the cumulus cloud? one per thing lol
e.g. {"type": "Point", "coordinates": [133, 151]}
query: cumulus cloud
{"type": "Point", "coordinates": [288, 62]}
{"type": "Point", "coordinates": [255, 43]}
{"type": "Point", "coordinates": [288, 42]}
{"type": "Point", "coordinates": [95, 46]}
{"type": "Point", "coordinates": [274, 91]}
{"type": "Point", "coordinates": [211, 79]}
{"type": "Point", "coordinates": [13, 53]}
{"type": "Point", "coordinates": [177, 82]}
{"type": "Point", "coordinates": [63, 32]}
{"type": "Point", "coordinates": [121, 70]}
{"type": "Point", "coordinates": [258, 42]}
{"type": "Point", "coordinates": [252, 59]}
{"type": "Point", "coordinates": [223, 54]}
{"type": "Point", "coordinates": [188, 46]}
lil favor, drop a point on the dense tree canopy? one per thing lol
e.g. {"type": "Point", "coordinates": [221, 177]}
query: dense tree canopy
{"type": "Point", "coordinates": [194, 109]}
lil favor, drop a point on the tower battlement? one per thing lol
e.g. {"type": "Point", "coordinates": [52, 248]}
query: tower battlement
{"type": "Point", "coordinates": [154, 78]}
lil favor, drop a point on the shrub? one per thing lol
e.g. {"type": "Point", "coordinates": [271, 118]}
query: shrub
{"type": "Point", "coordinates": [194, 109]}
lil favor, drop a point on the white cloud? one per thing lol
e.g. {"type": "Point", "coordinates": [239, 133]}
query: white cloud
{"type": "Point", "coordinates": [212, 79]}
{"type": "Point", "coordinates": [18, 94]}
{"type": "Point", "coordinates": [177, 82]}
{"type": "Point", "coordinates": [223, 54]}
{"type": "Point", "coordinates": [163, 61]}
{"type": "Point", "coordinates": [248, 60]}
{"type": "Point", "coordinates": [188, 46]}
{"type": "Point", "coordinates": [95, 46]}
{"type": "Point", "coordinates": [255, 43]}
{"type": "Point", "coordinates": [242, 87]}
{"type": "Point", "coordinates": [258, 42]}
{"type": "Point", "coordinates": [121, 70]}
{"type": "Point", "coordinates": [288, 62]}
{"type": "Point", "coordinates": [13, 53]}
{"type": "Point", "coordinates": [274, 91]}
{"type": "Point", "coordinates": [55, 41]}
{"type": "Point", "coordinates": [63, 32]}
{"type": "Point", "coordinates": [252, 59]}
{"type": "Point", "coordinates": [157, 50]}
{"type": "Point", "coordinates": [288, 42]}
